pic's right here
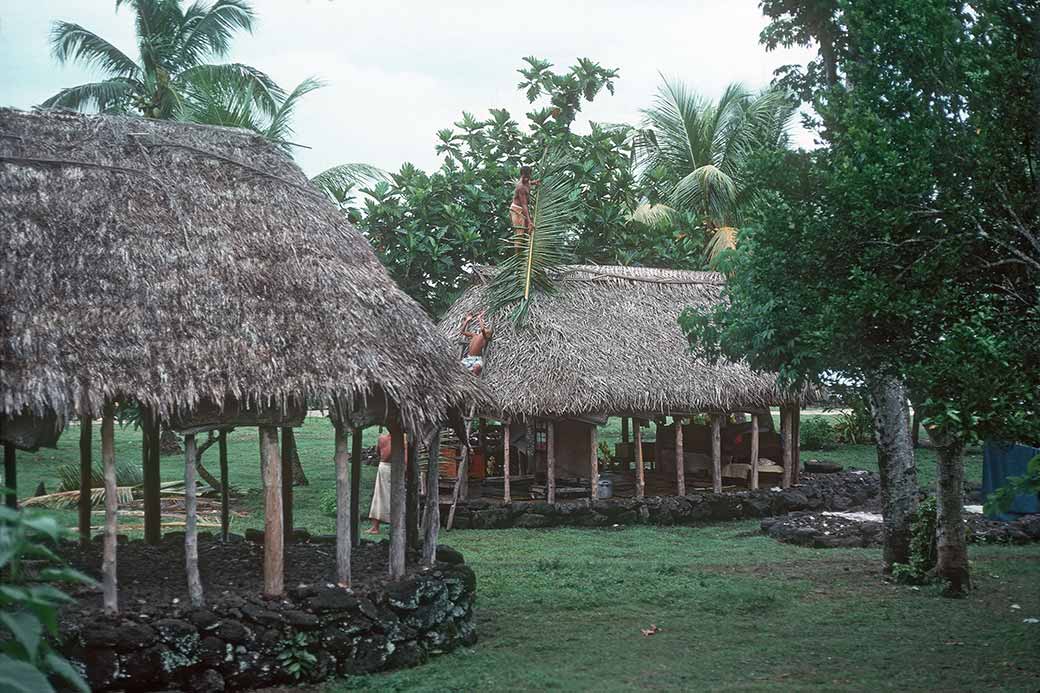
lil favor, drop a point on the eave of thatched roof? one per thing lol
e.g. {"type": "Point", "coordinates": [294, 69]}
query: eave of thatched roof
{"type": "Point", "coordinates": [608, 342]}
{"type": "Point", "coordinates": [176, 264]}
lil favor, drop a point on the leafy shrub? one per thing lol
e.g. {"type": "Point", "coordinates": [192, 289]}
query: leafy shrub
{"type": "Point", "coordinates": [295, 657]}
{"type": "Point", "coordinates": [327, 502]}
{"type": "Point", "coordinates": [816, 433]}
{"type": "Point", "coordinates": [855, 425]}
{"type": "Point", "coordinates": [923, 551]}
{"type": "Point", "coordinates": [29, 602]}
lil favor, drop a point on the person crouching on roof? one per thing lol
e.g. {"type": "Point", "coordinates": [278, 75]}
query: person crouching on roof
{"type": "Point", "coordinates": [473, 361]}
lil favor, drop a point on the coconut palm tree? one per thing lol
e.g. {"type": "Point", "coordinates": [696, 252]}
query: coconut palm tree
{"type": "Point", "coordinates": [702, 149]}
{"type": "Point", "coordinates": [174, 46]}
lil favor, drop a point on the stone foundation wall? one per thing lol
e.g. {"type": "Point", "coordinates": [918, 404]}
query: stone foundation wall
{"type": "Point", "coordinates": [841, 491]}
{"type": "Point", "coordinates": [239, 643]}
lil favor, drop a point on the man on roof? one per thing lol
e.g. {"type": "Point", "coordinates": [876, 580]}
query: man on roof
{"type": "Point", "coordinates": [474, 358]}
{"type": "Point", "coordinates": [519, 213]}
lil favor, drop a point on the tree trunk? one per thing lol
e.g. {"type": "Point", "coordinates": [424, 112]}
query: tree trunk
{"type": "Point", "coordinates": [398, 536]}
{"type": "Point", "coordinates": [915, 428]}
{"type": "Point", "coordinates": [506, 491]}
{"type": "Point", "coordinates": [355, 487]}
{"type": "Point", "coordinates": [624, 429]}
{"type": "Point", "coordinates": [950, 538]}
{"type": "Point", "coordinates": [191, 538]}
{"type": "Point", "coordinates": [109, 588]}
{"type": "Point", "coordinates": [274, 553]}
{"type": "Point", "coordinates": [640, 472]}
{"type": "Point", "coordinates": [225, 511]}
{"type": "Point", "coordinates": [150, 428]}
{"type": "Point", "coordinates": [550, 461]}
{"type": "Point", "coordinates": [787, 435]}
{"type": "Point", "coordinates": [432, 521]}
{"type": "Point", "coordinates": [343, 505]}
{"type": "Point", "coordinates": [289, 444]}
{"type": "Point", "coordinates": [86, 463]}
{"type": "Point", "coordinates": [680, 459]}
{"type": "Point", "coordinates": [716, 453]}
{"type": "Point", "coordinates": [896, 466]}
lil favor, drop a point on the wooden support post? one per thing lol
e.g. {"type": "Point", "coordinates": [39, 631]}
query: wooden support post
{"type": "Point", "coordinates": [754, 452]}
{"type": "Point", "coordinates": [109, 588]}
{"type": "Point", "coordinates": [680, 459]}
{"type": "Point", "coordinates": [288, 448]}
{"type": "Point", "coordinates": [461, 475]}
{"type": "Point", "coordinates": [355, 486]}
{"type": "Point", "coordinates": [796, 435]}
{"type": "Point", "coordinates": [398, 535]}
{"type": "Point", "coordinates": [344, 503]}
{"type": "Point", "coordinates": [274, 550]}
{"type": "Point", "coordinates": [191, 537]}
{"type": "Point", "coordinates": [788, 444]}
{"type": "Point", "coordinates": [716, 453]}
{"type": "Point", "coordinates": [411, 488]}
{"type": "Point", "coordinates": [594, 462]}
{"type": "Point", "coordinates": [432, 519]}
{"type": "Point", "coordinates": [86, 464]}
{"type": "Point", "coordinates": [506, 497]}
{"type": "Point", "coordinates": [624, 429]}
{"type": "Point", "coordinates": [640, 473]}
{"type": "Point", "coordinates": [225, 510]}
{"type": "Point", "coordinates": [151, 475]}
{"type": "Point", "coordinates": [482, 437]}
{"type": "Point", "coordinates": [550, 462]}
{"type": "Point", "coordinates": [11, 476]}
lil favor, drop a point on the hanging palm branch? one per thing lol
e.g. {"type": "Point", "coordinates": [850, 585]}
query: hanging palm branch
{"type": "Point", "coordinates": [531, 267]}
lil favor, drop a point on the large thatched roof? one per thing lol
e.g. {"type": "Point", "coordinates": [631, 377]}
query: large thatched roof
{"type": "Point", "coordinates": [177, 263]}
{"type": "Point", "coordinates": [608, 342]}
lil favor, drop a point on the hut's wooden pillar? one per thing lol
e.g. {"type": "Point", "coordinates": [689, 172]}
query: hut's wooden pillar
{"type": "Point", "coordinates": [191, 538]}
{"type": "Point", "coordinates": [796, 445]}
{"type": "Point", "coordinates": [11, 476]}
{"type": "Point", "coordinates": [624, 429]}
{"type": "Point", "coordinates": [398, 535]}
{"type": "Point", "coordinates": [594, 461]}
{"type": "Point", "coordinates": [680, 461]}
{"type": "Point", "coordinates": [716, 453]}
{"type": "Point", "coordinates": [432, 520]}
{"type": "Point", "coordinates": [225, 511]}
{"type": "Point", "coordinates": [109, 589]}
{"type": "Point", "coordinates": [344, 503]}
{"type": "Point", "coordinates": [86, 464]}
{"type": "Point", "coordinates": [288, 448]}
{"type": "Point", "coordinates": [640, 473]}
{"type": "Point", "coordinates": [754, 452]}
{"type": "Point", "coordinates": [482, 437]}
{"type": "Point", "coordinates": [412, 494]}
{"type": "Point", "coordinates": [788, 444]}
{"type": "Point", "coordinates": [355, 486]}
{"type": "Point", "coordinates": [274, 550]}
{"type": "Point", "coordinates": [550, 461]}
{"type": "Point", "coordinates": [506, 496]}
{"type": "Point", "coordinates": [150, 475]}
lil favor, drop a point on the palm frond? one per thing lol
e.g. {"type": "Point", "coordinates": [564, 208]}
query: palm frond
{"type": "Point", "coordinates": [710, 191]}
{"type": "Point", "coordinates": [109, 96]}
{"type": "Point", "coordinates": [279, 130]}
{"type": "Point", "coordinates": [531, 268]}
{"type": "Point", "coordinates": [126, 475]}
{"type": "Point", "coordinates": [653, 214]}
{"type": "Point", "coordinates": [263, 91]}
{"type": "Point", "coordinates": [345, 176]}
{"type": "Point", "coordinates": [72, 42]}
{"type": "Point", "coordinates": [65, 500]}
{"type": "Point", "coordinates": [207, 31]}
{"type": "Point", "coordinates": [725, 238]}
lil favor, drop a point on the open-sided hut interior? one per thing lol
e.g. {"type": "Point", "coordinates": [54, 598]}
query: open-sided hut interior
{"type": "Point", "coordinates": [607, 343]}
{"type": "Point", "coordinates": [195, 272]}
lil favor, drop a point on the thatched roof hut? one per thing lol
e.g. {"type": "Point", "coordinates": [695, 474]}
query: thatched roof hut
{"type": "Point", "coordinates": [180, 264]}
{"type": "Point", "coordinates": [608, 342]}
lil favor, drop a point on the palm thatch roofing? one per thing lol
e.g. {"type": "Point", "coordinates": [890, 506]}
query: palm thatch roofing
{"type": "Point", "coordinates": [608, 342]}
{"type": "Point", "coordinates": [181, 265]}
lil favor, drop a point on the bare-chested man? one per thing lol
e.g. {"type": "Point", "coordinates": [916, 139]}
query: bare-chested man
{"type": "Point", "coordinates": [380, 510]}
{"type": "Point", "coordinates": [474, 358]}
{"type": "Point", "coordinates": [519, 213]}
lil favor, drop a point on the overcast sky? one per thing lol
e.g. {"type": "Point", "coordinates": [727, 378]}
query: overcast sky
{"type": "Point", "coordinates": [399, 71]}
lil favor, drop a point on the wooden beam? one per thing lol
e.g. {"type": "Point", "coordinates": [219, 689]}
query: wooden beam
{"type": "Point", "coordinates": [225, 510]}
{"type": "Point", "coordinates": [624, 429]}
{"type": "Point", "coordinates": [506, 497]}
{"type": "Point", "coordinates": [398, 535]}
{"type": "Point", "coordinates": [796, 436]}
{"type": "Point", "coordinates": [288, 447]}
{"type": "Point", "coordinates": [11, 476]}
{"type": "Point", "coordinates": [550, 461]}
{"type": "Point", "coordinates": [355, 486]}
{"type": "Point", "coordinates": [151, 475]}
{"type": "Point", "coordinates": [754, 452]}
{"type": "Point", "coordinates": [594, 461]}
{"type": "Point", "coordinates": [274, 550]}
{"type": "Point", "coordinates": [716, 453]}
{"type": "Point", "coordinates": [432, 520]}
{"type": "Point", "coordinates": [344, 503]}
{"type": "Point", "coordinates": [86, 464]}
{"type": "Point", "coordinates": [680, 460]}
{"type": "Point", "coordinates": [412, 494]}
{"type": "Point", "coordinates": [788, 452]}
{"type": "Point", "coordinates": [191, 536]}
{"type": "Point", "coordinates": [640, 473]}
{"type": "Point", "coordinates": [109, 588]}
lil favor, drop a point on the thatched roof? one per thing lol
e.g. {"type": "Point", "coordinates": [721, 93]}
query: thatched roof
{"type": "Point", "coordinates": [177, 264]}
{"type": "Point", "coordinates": [608, 342]}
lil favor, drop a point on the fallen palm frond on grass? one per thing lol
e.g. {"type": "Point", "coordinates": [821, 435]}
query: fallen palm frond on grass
{"type": "Point", "coordinates": [67, 500]}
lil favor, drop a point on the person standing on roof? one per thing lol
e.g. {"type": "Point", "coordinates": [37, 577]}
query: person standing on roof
{"type": "Point", "coordinates": [519, 212]}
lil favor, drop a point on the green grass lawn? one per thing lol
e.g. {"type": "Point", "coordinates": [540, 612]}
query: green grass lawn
{"type": "Point", "coordinates": [562, 609]}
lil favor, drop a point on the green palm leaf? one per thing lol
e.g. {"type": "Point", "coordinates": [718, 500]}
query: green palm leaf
{"type": "Point", "coordinates": [72, 42]}
{"type": "Point", "coordinates": [533, 268]}
{"type": "Point", "coordinates": [109, 96]}
{"type": "Point", "coordinates": [208, 31]}
{"type": "Point", "coordinates": [336, 181]}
